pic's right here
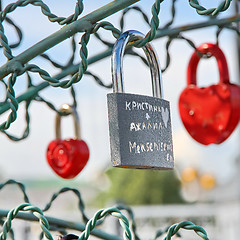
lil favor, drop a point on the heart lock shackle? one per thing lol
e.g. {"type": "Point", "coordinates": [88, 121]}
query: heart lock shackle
{"type": "Point", "coordinates": [210, 114]}
{"type": "Point", "coordinates": [67, 157]}
{"type": "Point", "coordinates": [139, 126]}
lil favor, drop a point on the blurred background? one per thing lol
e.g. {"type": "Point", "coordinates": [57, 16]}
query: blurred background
{"type": "Point", "coordinates": [203, 187]}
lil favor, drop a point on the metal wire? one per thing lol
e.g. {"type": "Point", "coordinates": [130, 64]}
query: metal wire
{"type": "Point", "coordinates": [81, 205]}
{"type": "Point", "coordinates": [186, 225]}
{"type": "Point", "coordinates": [89, 25]}
{"type": "Point", "coordinates": [25, 207]}
{"type": "Point", "coordinates": [28, 212]}
{"type": "Point", "coordinates": [19, 185]}
{"type": "Point", "coordinates": [223, 6]}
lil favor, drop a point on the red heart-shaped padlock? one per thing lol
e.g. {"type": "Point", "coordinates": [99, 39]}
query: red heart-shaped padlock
{"type": "Point", "coordinates": [212, 113]}
{"type": "Point", "coordinates": [67, 157]}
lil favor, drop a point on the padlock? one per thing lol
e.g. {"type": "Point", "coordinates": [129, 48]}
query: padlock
{"type": "Point", "coordinates": [67, 157]}
{"type": "Point", "coordinates": [210, 114]}
{"type": "Point", "coordinates": [139, 126]}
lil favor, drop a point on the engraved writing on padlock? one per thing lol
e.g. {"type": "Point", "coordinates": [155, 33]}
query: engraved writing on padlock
{"type": "Point", "coordinates": [139, 126]}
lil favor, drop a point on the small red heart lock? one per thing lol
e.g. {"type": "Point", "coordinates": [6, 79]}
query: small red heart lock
{"type": "Point", "coordinates": [67, 157]}
{"type": "Point", "coordinates": [210, 114]}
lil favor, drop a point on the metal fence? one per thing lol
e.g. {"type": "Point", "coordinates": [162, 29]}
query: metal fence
{"type": "Point", "coordinates": [89, 26]}
{"type": "Point", "coordinates": [27, 212]}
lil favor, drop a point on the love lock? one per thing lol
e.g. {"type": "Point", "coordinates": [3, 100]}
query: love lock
{"type": "Point", "coordinates": [210, 114]}
{"type": "Point", "coordinates": [67, 157]}
{"type": "Point", "coordinates": [139, 126]}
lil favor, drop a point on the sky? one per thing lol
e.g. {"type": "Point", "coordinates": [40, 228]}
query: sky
{"type": "Point", "coordinates": [26, 159]}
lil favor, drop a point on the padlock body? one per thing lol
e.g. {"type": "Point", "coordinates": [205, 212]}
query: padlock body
{"type": "Point", "coordinates": [67, 157]}
{"type": "Point", "coordinates": [140, 131]}
{"type": "Point", "coordinates": [210, 114]}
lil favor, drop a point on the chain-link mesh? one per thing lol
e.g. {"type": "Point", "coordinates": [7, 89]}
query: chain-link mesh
{"type": "Point", "coordinates": [28, 212]}
{"type": "Point", "coordinates": [88, 25]}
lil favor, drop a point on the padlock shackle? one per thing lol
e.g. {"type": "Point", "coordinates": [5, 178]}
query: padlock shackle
{"type": "Point", "coordinates": [117, 62]}
{"type": "Point", "coordinates": [213, 50]}
{"type": "Point", "coordinates": [67, 109]}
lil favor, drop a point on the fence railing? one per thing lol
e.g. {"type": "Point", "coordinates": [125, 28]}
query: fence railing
{"type": "Point", "coordinates": [26, 211]}
{"type": "Point", "coordinates": [89, 26]}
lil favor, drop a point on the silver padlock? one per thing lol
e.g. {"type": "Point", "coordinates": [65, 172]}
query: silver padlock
{"type": "Point", "coordinates": [139, 126]}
